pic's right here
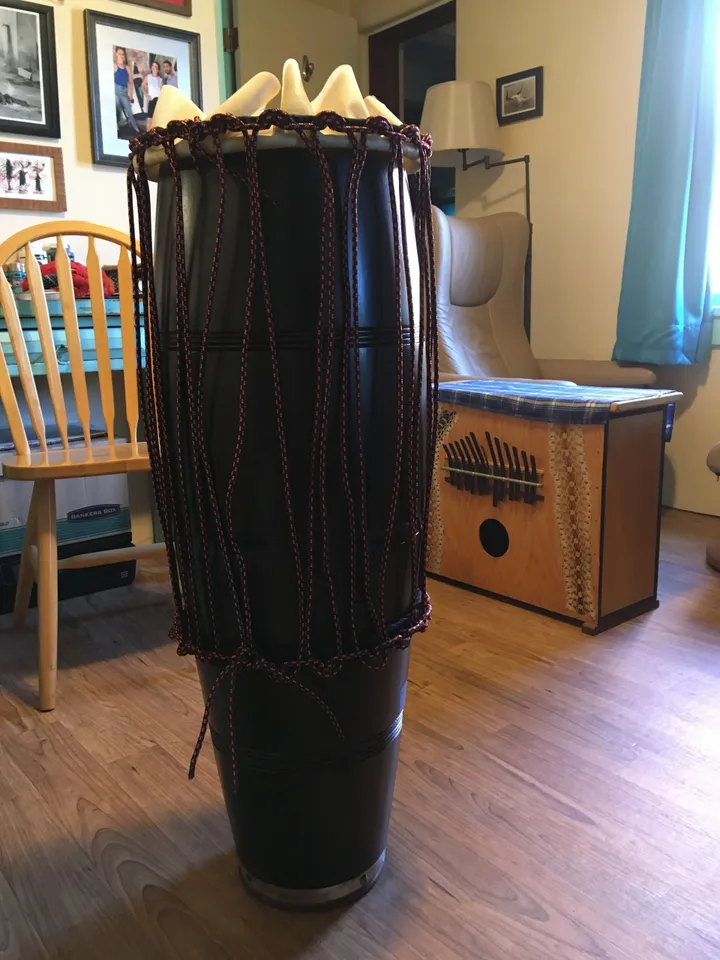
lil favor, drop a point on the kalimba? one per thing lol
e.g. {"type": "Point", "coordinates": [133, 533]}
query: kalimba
{"type": "Point", "coordinates": [551, 494]}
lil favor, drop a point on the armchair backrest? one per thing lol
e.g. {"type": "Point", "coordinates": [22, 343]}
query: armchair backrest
{"type": "Point", "coordinates": [480, 266]}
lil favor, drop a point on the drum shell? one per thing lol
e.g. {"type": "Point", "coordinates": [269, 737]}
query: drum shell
{"type": "Point", "coordinates": [292, 197]}
{"type": "Point", "coordinates": [307, 764]}
{"type": "Point", "coordinates": [308, 810]}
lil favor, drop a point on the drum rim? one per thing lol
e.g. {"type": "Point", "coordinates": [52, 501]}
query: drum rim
{"type": "Point", "coordinates": [343, 892]}
{"type": "Point", "coordinates": [273, 139]}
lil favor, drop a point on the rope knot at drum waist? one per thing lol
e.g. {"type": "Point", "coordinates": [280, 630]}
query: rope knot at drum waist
{"type": "Point", "coordinates": [247, 660]}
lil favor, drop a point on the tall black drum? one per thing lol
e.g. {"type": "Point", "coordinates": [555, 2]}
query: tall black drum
{"type": "Point", "coordinates": [289, 376]}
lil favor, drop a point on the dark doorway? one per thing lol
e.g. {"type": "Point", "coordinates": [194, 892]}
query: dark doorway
{"type": "Point", "coordinates": [407, 59]}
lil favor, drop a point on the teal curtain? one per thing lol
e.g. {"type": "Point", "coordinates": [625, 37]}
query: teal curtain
{"type": "Point", "coordinates": [665, 313]}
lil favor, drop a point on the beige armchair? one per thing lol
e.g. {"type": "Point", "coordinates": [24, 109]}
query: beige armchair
{"type": "Point", "coordinates": [713, 550]}
{"type": "Point", "coordinates": [480, 266]}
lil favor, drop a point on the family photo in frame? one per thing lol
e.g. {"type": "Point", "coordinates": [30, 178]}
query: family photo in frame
{"type": "Point", "coordinates": [129, 63]}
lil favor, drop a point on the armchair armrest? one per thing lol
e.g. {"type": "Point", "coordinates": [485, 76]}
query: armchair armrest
{"type": "Point", "coordinates": [597, 373]}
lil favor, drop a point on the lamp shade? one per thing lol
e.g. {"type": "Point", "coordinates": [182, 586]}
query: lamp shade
{"type": "Point", "coordinates": [460, 115]}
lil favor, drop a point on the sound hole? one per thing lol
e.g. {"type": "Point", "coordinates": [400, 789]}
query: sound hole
{"type": "Point", "coordinates": [494, 538]}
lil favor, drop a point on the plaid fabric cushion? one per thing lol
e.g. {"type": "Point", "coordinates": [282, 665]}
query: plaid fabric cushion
{"type": "Point", "coordinates": [552, 402]}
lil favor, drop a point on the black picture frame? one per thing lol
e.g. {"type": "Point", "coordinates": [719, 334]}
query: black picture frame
{"type": "Point", "coordinates": [50, 126]}
{"type": "Point", "coordinates": [182, 10]}
{"type": "Point", "coordinates": [534, 83]}
{"type": "Point", "coordinates": [154, 31]}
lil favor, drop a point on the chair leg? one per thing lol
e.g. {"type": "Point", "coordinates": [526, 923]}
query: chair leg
{"type": "Point", "coordinates": [26, 574]}
{"type": "Point", "coordinates": [47, 581]}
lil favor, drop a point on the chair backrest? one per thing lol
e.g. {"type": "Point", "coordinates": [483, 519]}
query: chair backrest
{"type": "Point", "coordinates": [480, 266]}
{"type": "Point", "coordinates": [60, 230]}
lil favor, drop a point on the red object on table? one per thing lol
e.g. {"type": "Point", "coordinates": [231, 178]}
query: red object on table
{"type": "Point", "coordinates": [79, 279]}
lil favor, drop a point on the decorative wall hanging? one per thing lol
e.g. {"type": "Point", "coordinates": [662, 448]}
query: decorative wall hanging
{"type": "Point", "coordinates": [32, 178]}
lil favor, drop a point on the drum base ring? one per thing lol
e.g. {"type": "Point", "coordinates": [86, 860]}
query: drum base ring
{"type": "Point", "coordinates": [323, 897]}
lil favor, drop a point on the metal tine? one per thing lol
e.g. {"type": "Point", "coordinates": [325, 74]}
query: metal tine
{"type": "Point", "coordinates": [484, 482]}
{"type": "Point", "coordinates": [503, 486]}
{"type": "Point", "coordinates": [528, 489]}
{"type": "Point", "coordinates": [511, 472]}
{"type": "Point", "coordinates": [466, 480]}
{"type": "Point", "coordinates": [534, 478]}
{"type": "Point", "coordinates": [496, 482]}
{"type": "Point", "coordinates": [450, 478]}
{"type": "Point", "coordinates": [459, 478]}
{"type": "Point", "coordinates": [518, 474]}
{"type": "Point", "coordinates": [471, 466]}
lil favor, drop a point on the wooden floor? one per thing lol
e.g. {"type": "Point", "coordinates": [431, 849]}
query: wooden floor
{"type": "Point", "coordinates": [558, 796]}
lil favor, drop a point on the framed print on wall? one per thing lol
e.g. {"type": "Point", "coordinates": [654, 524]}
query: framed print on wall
{"type": "Point", "coordinates": [32, 178]}
{"type": "Point", "coordinates": [28, 70]}
{"type": "Point", "coordinates": [520, 96]}
{"type": "Point", "coordinates": [129, 62]}
{"type": "Point", "coordinates": [183, 7]}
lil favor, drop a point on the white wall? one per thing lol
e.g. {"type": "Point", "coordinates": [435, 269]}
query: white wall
{"type": "Point", "coordinates": [582, 166]}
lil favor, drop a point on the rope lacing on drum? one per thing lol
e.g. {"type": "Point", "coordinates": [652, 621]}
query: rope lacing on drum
{"type": "Point", "coordinates": [194, 481]}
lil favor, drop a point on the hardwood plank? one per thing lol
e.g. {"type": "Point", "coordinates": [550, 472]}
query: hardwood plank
{"type": "Point", "coordinates": [556, 796]}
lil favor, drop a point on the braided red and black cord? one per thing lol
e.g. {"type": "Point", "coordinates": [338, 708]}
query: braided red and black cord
{"type": "Point", "coordinates": [177, 486]}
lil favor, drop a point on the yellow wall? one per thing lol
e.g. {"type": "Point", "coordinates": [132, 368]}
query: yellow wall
{"type": "Point", "coordinates": [94, 192]}
{"type": "Point", "coordinates": [339, 6]}
{"type": "Point", "coordinates": [373, 14]}
{"type": "Point", "coordinates": [582, 166]}
{"type": "Point", "coordinates": [581, 150]}
{"type": "Point", "coordinates": [271, 31]}
{"type": "Point", "coordinates": [98, 193]}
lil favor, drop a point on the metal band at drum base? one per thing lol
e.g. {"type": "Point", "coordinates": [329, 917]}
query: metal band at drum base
{"type": "Point", "coordinates": [323, 896]}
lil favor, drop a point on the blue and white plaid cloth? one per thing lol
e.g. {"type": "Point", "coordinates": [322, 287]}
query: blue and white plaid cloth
{"type": "Point", "coordinates": [552, 402]}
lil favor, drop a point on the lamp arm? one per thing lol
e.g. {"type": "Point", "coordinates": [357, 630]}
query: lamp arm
{"type": "Point", "coordinates": [489, 165]}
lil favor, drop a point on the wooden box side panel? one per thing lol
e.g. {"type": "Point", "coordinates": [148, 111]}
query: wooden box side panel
{"type": "Point", "coordinates": [635, 449]}
{"type": "Point", "coordinates": [553, 558]}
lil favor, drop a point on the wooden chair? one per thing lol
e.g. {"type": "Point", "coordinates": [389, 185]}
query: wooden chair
{"type": "Point", "coordinates": [45, 464]}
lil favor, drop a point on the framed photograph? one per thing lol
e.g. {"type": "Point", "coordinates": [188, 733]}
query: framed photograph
{"type": "Point", "coordinates": [520, 96]}
{"type": "Point", "coordinates": [32, 178]}
{"type": "Point", "coordinates": [129, 62]}
{"type": "Point", "coordinates": [183, 7]}
{"type": "Point", "coordinates": [28, 70]}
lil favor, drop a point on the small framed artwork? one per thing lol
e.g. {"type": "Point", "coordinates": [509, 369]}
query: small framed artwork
{"type": "Point", "coordinates": [129, 62]}
{"type": "Point", "coordinates": [520, 96]}
{"type": "Point", "coordinates": [28, 70]}
{"type": "Point", "coordinates": [32, 178]}
{"type": "Point", "coordinates": [183, 7]}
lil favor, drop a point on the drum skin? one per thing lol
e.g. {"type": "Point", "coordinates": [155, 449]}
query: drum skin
{"type": "Point", "coordinates": [309, 781]}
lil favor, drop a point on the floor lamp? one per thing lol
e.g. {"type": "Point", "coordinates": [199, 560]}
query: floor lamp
{"type": "Point", "coordinates": [460, 116]}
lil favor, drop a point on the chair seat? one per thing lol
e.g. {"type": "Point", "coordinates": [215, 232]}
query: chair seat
{"type": "Point", "coordinates": [98, 460]}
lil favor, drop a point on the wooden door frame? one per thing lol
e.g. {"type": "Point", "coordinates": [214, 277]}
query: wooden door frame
{"type": "Point", "coordinates": [384, 51]}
